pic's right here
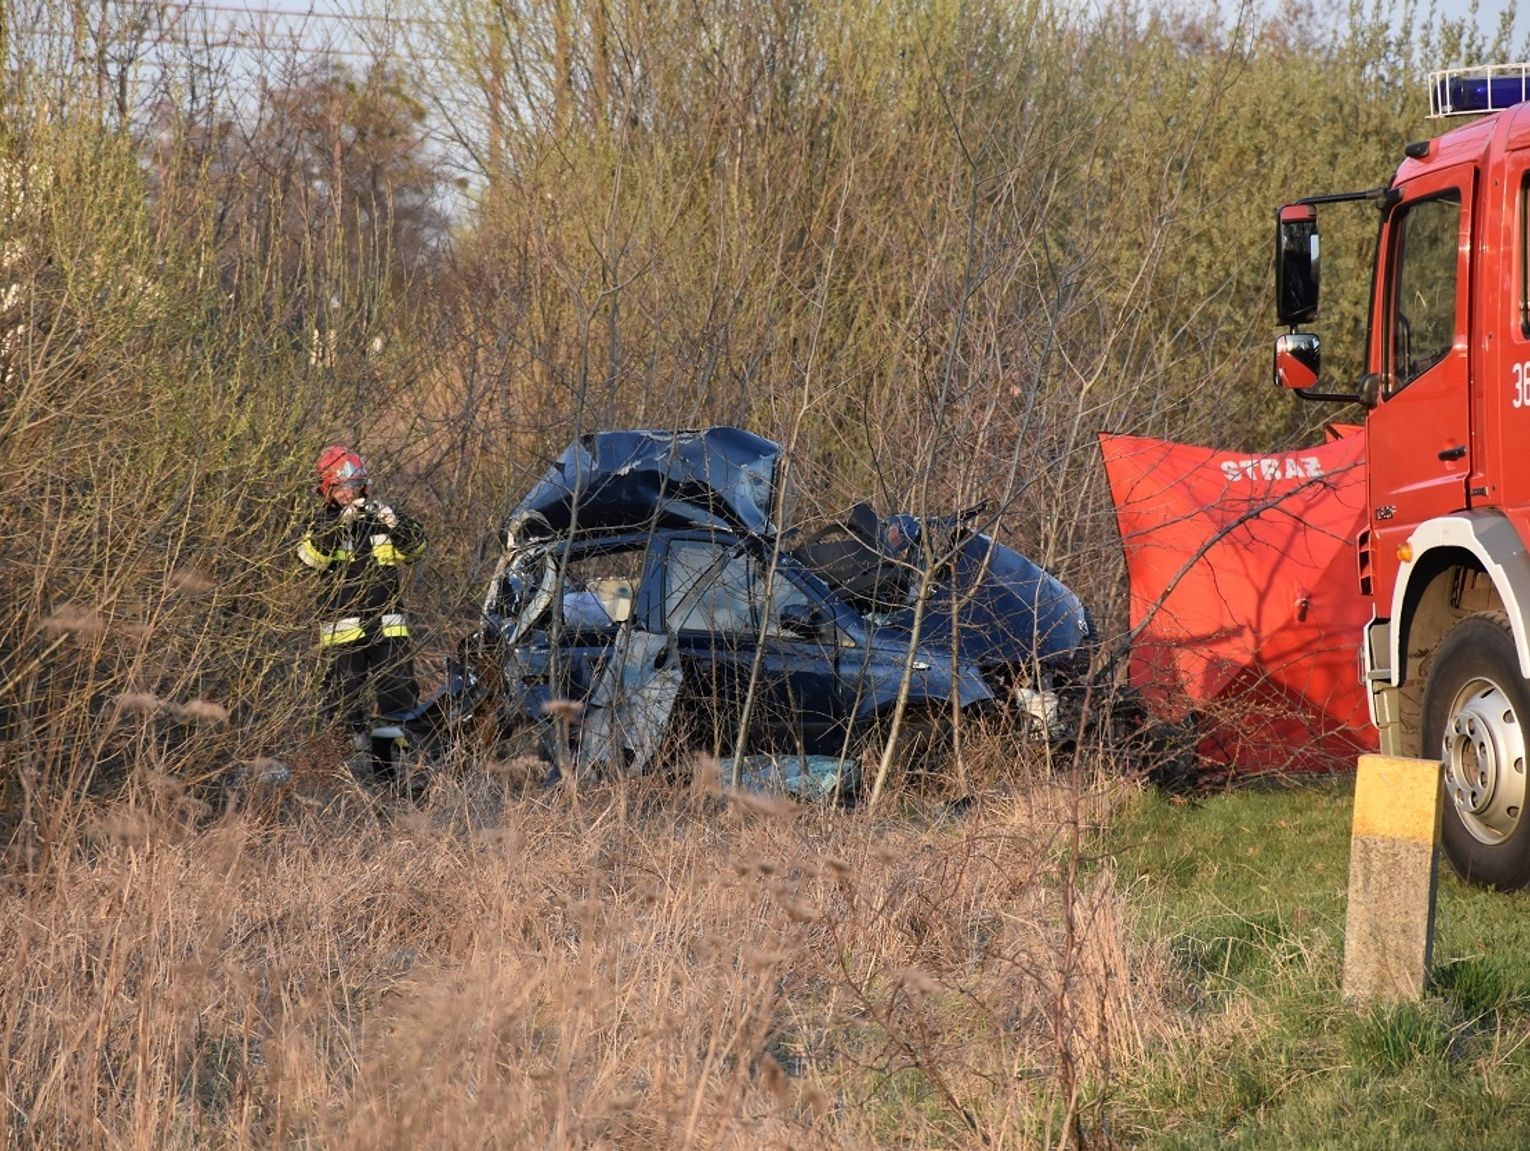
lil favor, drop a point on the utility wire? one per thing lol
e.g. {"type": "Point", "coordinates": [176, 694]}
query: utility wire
{"type": "Point", "coordinates": [259, 46]}
{"type": "Point", "coordinates": [254, 41]}
{"type": "Point", "coordinates": [173, 27]}
{"type": "Point", "coordinates": [310, 14]}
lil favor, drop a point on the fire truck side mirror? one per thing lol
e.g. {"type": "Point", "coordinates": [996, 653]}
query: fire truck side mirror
{"type": "Point", "coordinates": [1296, 264]}
{"type": "Point", "coordinates": [1298, 356]}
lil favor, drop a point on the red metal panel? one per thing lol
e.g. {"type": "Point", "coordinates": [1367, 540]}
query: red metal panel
{"type": "Point", "coordinates": [1500, 342]}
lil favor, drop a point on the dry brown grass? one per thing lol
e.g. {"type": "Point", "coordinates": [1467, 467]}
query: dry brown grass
{"type": "Point", "coordinates": [634, 965]}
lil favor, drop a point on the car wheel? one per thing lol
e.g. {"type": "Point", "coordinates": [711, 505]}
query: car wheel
{"type": "Point", "coordinates": [923, 745]}
{"type": "Point", "coordinates": [1476, 704]}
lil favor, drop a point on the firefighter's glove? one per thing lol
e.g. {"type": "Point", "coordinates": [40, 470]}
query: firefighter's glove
{"type": "Point", "coordinates": [351, 510]}
{"type": "Point", "coordinates": [382, 513]}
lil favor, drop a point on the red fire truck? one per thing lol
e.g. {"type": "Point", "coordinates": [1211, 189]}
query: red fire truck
{"type": "Point", "coordinates": [1442, 558]}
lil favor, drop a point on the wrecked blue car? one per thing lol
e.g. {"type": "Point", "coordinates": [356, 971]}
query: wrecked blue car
{"type": "Point", "coordinates": [654, 578]}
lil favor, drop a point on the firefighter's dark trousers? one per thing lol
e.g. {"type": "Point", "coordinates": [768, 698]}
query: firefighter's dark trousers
{"type": "Point", "coordinates": [384, 665]}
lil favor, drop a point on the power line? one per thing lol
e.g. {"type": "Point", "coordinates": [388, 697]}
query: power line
{"type": "Point", "coordinates": [174, 30]}
{"type": "Point", "coordinates": [310, 14]}
{"type": "Point", "coordinates": [258, 47]}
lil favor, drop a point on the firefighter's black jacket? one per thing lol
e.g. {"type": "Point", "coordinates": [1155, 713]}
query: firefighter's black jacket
{"type": "Point", "coordinates": [360, 559]}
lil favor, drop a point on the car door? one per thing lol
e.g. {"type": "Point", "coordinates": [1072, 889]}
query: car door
{"type": "Point", "coordinates": [573, 601]}
{"type": "Point", "coordinates": [1422, 413]}
{"type": "Point", "coordinates": [703, 603]}
{"type": "Point", "coordinates": [799, 655]}
{"type": "Point", "coordinates": [724, 606]}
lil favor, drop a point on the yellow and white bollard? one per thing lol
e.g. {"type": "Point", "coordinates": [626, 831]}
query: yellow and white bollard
{"type": "Point", "coordinates": [1389, 927]}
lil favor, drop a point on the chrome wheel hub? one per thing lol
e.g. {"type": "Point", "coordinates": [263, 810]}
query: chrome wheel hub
{"type": "Point", "coordinates": [1484, 752]}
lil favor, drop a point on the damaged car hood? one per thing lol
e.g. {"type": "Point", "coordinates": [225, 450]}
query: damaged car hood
{"type": "Point", "coordinates": [1003, 608]}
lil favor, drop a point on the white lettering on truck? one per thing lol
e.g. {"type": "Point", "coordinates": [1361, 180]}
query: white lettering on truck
{"type": "Point", "coordinates": [1272, 468]}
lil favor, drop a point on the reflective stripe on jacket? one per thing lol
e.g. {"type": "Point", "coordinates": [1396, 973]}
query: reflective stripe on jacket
{"type": "Point", "coordinates": [310, 554]}
{"type": "Point", "coordinates": [390, 625]}
{"type": "Point", "coordinates": [342, 631]}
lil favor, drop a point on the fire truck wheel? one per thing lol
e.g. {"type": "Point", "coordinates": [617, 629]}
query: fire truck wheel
{"type": "Point", "coordinates": [1476, 706]}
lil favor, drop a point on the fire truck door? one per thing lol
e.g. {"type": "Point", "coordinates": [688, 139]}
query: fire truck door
{"type": "Point", "coordinates": [1419, 455]}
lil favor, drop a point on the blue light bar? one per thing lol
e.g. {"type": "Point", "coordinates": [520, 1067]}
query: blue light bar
{"type": "Point", "coordinates": [1472, 91]}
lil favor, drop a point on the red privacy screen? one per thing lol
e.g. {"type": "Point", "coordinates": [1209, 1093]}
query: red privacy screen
{"type": "Point", "coordinates": [1245, 605]}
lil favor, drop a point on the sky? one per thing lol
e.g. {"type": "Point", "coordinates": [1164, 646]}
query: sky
{"type": "Point", "coordinates": [315, 21]}
{"type": "Point", "coordinates": [1487, 16]}
{"type": "Point", "coordinates": [1487, 10]}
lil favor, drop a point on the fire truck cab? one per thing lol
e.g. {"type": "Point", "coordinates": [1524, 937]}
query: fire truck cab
{"type": "Point", "coordinates": [1442, 558]}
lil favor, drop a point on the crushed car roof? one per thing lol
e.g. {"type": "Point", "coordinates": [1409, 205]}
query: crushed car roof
{"type": "Point", "coordinates": [717, 476]}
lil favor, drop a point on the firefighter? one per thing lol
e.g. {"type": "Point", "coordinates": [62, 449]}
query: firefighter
{"type": "Point", "coordinates": [359, 545]}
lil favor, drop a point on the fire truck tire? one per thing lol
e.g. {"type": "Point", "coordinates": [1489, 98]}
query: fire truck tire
{"type": "Point", "coordinates": [1475, 709]}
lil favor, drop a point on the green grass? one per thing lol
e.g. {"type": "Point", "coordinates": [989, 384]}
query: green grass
{"type": "Point", "coordinates": [1248, 888]}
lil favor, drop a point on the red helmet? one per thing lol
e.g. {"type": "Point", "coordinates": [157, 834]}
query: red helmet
{"type": "Point", "coordinates": [339, 467]}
